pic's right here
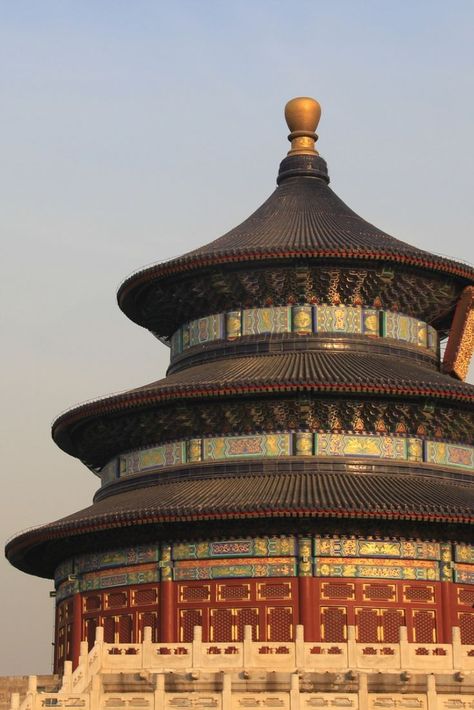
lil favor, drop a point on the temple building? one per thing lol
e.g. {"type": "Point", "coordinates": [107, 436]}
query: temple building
{"type": "Point", "coordinates": [301, 481]}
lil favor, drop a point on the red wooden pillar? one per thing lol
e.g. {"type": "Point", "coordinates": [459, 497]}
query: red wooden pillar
{"type": "Point", "coordinates": [446, 611]}
{"type": "Point", "coordinates": [76, 629]}
{"type": "Point", "coordinates": [307, 605]}
{"type": "Point", "coordinates": [167, 610]}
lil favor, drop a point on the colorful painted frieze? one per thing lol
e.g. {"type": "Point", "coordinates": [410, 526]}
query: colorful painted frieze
{"type": "Point", "coordinates": [124, 576]}
{"type": "Point", "coordinates": [233, 324]}
{"type": "Point", "coordinates": [353, 547]}
{"type": "Point", "coordinates": [414, 449]}
{"type": "Point", "coordinates": [187, 570]}
{"type": "Point", "coordinates": [97, 561]}
{"type": "Point", "coordinates": [377, 569]}
{"type": "Point", "coordinates": [305, 559]}
{"type": "Point", "coordinates": [206, 329]}
{"type": "Point", "coordinates": [266, 320]}
{"type": "Point", "coordinates": [401, 327]}
{"type": "Point", "coordinates": [166, 564]}
{"type": "Point", "coordinates": [156, 457]}
{"type": "Point", "coordinates": [143, 574]}
{"type": "Point", "coordinates": [455, 455]}
{"type": "Point", "coordinates": [251, 547]}
{"type": "Point", "coordinates": [116, 558]}
{"type": "Point", "coordinates": [446, 564]}
{"type": "Point", "coordinates": [194, 450]}
{"type": "Point", "coordinates": [165, 455]}
{"type": "Point", "coordinates": [304, 444]}
{"type": "Point", "coordinates": [338, 319]}
{"type": "Point", "coordinates": [464, 574]}
{"type": "Point", "coordinates": [370, 322]}
{"type": "Point", "coordinates": [399, 448]}
{"type": "Point", "coordinates": [247, 446]}
{"type": "Point", "coordinates": [464, 553]}
{"type": "Point", "coordinates": [304, 319]}
{"type": "Point", "coordinates": [422, 334]}
{"type": "Point", "coordinates": [388, 447]}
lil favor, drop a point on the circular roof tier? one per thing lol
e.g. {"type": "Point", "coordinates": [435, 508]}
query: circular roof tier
{"type": "Point", "coordinates": [302, 222]}
{"type": "Point", "coordinates": [270, 494]}
{"type": "Point", "coordinates": [115, 418]}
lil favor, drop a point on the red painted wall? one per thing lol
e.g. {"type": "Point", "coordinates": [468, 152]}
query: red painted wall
{"type": "Point", "coordinates": [377, 608]}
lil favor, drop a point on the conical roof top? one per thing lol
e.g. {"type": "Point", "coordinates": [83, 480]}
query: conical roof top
{"type": "Point", "coordinates": [303, 216]}
{"type": "Point", "coordinates": [303, 219]}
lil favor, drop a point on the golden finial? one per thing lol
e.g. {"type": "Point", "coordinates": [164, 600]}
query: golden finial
{"type": "Point", "coordinates": [302, 116]}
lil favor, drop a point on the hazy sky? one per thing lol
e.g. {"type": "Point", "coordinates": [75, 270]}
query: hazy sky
{"type": "Point", "coordinates": [131, 132]}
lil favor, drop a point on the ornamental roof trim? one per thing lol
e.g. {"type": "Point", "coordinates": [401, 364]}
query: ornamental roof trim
{"type": "Point", "coordinates": [316, 372]}
{"type": "Point", "coordinates": [302, 219]}
{"type": "Point", "coordinates": [301, 495]}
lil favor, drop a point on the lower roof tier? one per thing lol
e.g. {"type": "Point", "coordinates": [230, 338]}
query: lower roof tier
{"type": "Point", "coordinates": [266, 490]}
{"type": "Point", "coordinates": [316, 374]}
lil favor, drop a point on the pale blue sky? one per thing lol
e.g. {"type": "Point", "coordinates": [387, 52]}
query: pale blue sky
{"type": "Point", "coordinates": [133, 131]}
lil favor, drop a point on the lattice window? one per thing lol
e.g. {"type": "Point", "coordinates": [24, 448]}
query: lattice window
{"type": "Point", "coordinates": [234, 591]}
{"type": "Point", "coordinates": [274, 591]}
{"type": "Point", "coordinates": [149, 618]}
{"type": "Point", "coordinates": [391, 620]}
{"type": "Point", "coordinates": [68, 644]}
{"type": "Point", "coordinates": [466, 596]}
{"type": "Point", "coordinates": [194, 593]}
{"type": "Point", "coordinates": [69, 610]}
{"type": "Point", "coordinates": [91, 625]}
{"type": "Point", "coordinates": [418, 594]}
{"type": "Point", "coordinates": [125, 629]}
{"type": "Point", "coordinates": [337, 590]}
{"type": "Point", "coordinates": [379, 592]}
{"type": "Point", "coordinates": [466, 624]}
{"type": "Point", "coordinates": [247, 616]}
{"type": "Point", "coordinates": [280, 623]}
{"type": "Point", "coordinates": [221, 625]}
{"type": "Point", "coordinates": [188, 619]}
{"type": "Point", "coordinates": [92, 602]}
{"type": "Point", "coordinates": [60, 644]}
{"type": "Point", "coordinates": [143, 597]}
{"type": "Point", "coordinates": [367, 621]}
{"type": "Point", "coordinates": [117, 599]}
{"type": "Point", "coordinates": [424, 626]}
{"type": "Point", "coordinates": [109, 629]}
{"type": "Point", "coordinates": [334, 623]}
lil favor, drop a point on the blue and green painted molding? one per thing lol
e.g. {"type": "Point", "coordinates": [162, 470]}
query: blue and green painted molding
{"type": "Point", "coordinates": [320, 444]}
{"type": "Point", "coordinates": [305, 320]}
{"type": "Point", "coordinates": [283, 556]}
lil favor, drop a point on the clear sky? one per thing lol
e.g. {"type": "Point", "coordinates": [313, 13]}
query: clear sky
{"type": "Point", "coordinates": [131, 132]}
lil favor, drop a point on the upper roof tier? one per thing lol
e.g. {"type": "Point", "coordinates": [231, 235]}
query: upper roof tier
{"type": "Point", "coordinates": [303, 221]}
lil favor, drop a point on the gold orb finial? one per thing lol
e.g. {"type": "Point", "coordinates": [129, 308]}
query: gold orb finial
{"type": "Point", "coordinates": [302, 115]}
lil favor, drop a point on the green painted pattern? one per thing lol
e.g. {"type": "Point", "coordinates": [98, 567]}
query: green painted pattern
{"type": "Point", "coordinates": [276, 556]}
{"type": "Point", "coordinates": [305, 319]}
{"type": "Point", "coordinates": [227, 448]}
{"type": "Point", "coordinates": [246, 547]}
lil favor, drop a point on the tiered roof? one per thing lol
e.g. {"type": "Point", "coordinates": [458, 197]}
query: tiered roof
{"type": "Point", "coordinates": [303, 226]}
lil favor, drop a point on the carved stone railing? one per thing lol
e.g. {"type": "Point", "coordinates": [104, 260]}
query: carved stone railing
{"type": "Point", "coordinates": [82, 687]}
